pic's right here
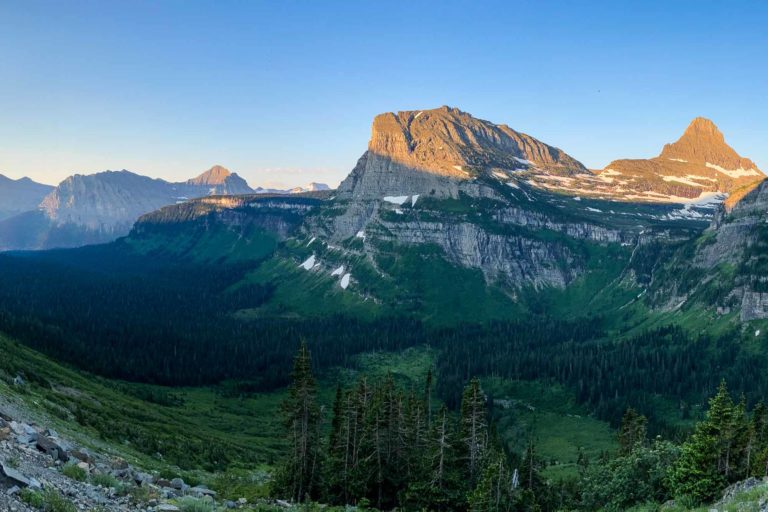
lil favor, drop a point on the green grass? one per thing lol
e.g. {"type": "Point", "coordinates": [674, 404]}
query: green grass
{"type": "Point", "coordinates": [207, 245]}
{"type": "Point", "coordinates": [550, 415]}
{"type": "Point", "coordinates": [74, 472]}
{"type": "Point", "coordinates": [211, 424]}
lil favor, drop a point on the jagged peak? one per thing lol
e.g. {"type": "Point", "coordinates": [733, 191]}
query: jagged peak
{"type": "Point", "coordinates": [216, 175]}
{"type": "Point", "coordinates": [703, 142]}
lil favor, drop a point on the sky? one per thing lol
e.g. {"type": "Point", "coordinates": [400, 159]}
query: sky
{"type": "Point", "coordinates": [284, 92]}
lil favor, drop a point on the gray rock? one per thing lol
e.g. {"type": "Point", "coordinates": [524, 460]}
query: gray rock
{"type": "Point", "coordinates": [15, 476]}
{"type": "Point", "coordinates": [177, 483]}
{"type": "Point", "coordinates": [51, 448]}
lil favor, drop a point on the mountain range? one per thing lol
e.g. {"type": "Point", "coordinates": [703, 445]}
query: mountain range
{"type": "Point", "coordinates": [473, 204]}
{"type": "Point", "coordinates": [455, 245]}
{"type": "Point", "coordinates": [97, 208]}
{"type": "Point", "coordinates": [444, 209]}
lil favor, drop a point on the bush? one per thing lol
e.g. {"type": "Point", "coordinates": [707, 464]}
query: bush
{"type": "Point", "coordinates": [194, 505]}
{"type": "Point", "coordinates": [74, 472]}
{"type": "Point", "coordinates": [105, 480]}
{"type": "Point", "coordinates": [55, 502]}
{"type": "Point", "coordinates": [32, 498]}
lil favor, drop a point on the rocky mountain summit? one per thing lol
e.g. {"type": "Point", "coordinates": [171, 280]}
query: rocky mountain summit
{"type": "Point", "coordinates": [700, 168]}
{"type": "Point", "coordinates": [219, 182]}
{"type": "Point", "coordinates": [442, 151]}
{"type": "Point", "coordinates": [483, 193]}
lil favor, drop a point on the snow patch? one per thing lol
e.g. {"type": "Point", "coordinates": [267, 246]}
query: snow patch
{"type": "Point", "coordinates": [577, 198]}
{"type": "Point", "coordinates": [523, 161]}
{"type": "Point", "coordinates": [345, 280]}
{"type": "Point", "coordinates": [338, 271]}
{"type": "Point", "coordinates": [457, 167]}
{"type": "Point", "coordinates": [414, 199]}
{"type": "Point", "coordinates": [398, 200]}
{"type": "Point", "coordinates": [360, 234]}
{"type": "Point", "coordinates": [589, 208]}
{"type": "Point", "coordinates": [734, 173]}
{"type": "Point", "coordinates": [513, 184]}
{"type": "Point", "coordinates": [757, 332]}
{"type": "Point", "coordinates": [417, 115]}
{"type": "Point", "coordinates": [679, 160]}
{"type": "Point", "coordinates": [684, 181]}
{"type": "Point", "coordinates": [398, 211]}
{"type": "Point", "coordinates": [500, 175]}
{"type": "Point", "coordinates": [312, 240]}
{"type": "Point", "coordinates": [309, 263]}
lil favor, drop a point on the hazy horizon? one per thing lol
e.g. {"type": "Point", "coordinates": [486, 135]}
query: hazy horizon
{"type": "Point", "coordinates": [284, 94]}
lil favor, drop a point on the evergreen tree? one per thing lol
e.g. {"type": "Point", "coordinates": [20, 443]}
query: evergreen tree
{"type": "Point", "coordinates": [707, 458]}
{"type": "Point", "coordinates": [474, 427]}
{"type": "Point", "coordinates": [494, 491]}
{"type": "Point", "coordinates": [443, 486]}
{"type": "Point", "coordinates": [298, 478]}
{"type": "Point", "coordinates": [632, 431]}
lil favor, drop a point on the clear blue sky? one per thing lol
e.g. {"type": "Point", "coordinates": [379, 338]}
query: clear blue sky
{"type": "Point", "coordinates": [285, 91]}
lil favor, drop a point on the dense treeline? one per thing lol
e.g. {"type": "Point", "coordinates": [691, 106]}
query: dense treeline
{"type": "Point", "coordinates": [388, 448]}
{"type": "Point", "coordinates": [607, 376]}
{"type": "Point", "coordinates": [170, 323]}
{"type": "Point", "coordinates": [157, 320]}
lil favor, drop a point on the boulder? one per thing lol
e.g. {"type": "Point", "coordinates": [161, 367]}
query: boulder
{"type": "Point", "coordinates": [82, 456]}
{"type": "Point", "coordinates": [15, 476]}
{"type": "Point", "coordinates": [51, 448]}
{"type": "Point", "coordinates": [143, 478]}
{"type": "Point", "coordinates": [177, 483]}
{"type": "Point", "coordinates": [5, 433]}
{"type": "Point", "coordinates": [201, 491]}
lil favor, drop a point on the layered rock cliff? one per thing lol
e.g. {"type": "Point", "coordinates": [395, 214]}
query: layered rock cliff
{"type": "Point", "coordinates": [444, 178]}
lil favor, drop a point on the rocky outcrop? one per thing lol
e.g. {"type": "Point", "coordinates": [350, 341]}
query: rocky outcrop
{"type": "Point", "coordinates": [444, 178]}
{"type": "Point", "coordinates": [441, 152]}
{"type": "Point", "coordinates": [278, 215]}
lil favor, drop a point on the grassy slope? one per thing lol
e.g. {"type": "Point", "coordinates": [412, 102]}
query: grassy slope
{"type": "Point", "coordinates": [550, 415]}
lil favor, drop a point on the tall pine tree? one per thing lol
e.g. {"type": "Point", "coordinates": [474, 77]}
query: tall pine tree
{"type": "Point", "coordinates": [298, 478]}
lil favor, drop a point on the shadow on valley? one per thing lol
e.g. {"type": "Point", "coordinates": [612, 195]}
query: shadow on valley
{"type": "Point", "coordinates": [157, 320]}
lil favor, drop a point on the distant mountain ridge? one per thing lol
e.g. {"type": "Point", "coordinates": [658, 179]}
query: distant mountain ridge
{"type": "Point", "coordinates": [17, 196]}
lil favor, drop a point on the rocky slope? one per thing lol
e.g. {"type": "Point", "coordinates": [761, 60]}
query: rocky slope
{"type": "Point", "coordinates": [698, 169]}
{"type": "Point", "coordinates": [725, 268]}
{"type": "Point", "coordinates": [17, 196]}
{"type": "Point", "coordinates": [478, 192]}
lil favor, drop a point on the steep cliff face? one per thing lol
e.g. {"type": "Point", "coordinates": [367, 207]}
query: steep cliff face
{"type": "Point", "coordinates": [726, 268]}
{"type": "Point", "coordinates": [106, 201]}
{"type": "Point", "coordinates": [443, 178]}
{"type": "Point", "coordinates": [442, 151]}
